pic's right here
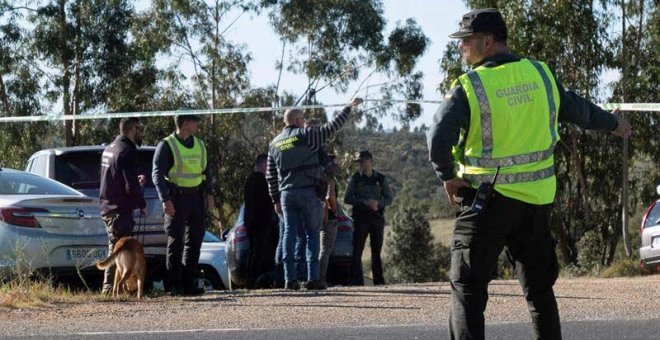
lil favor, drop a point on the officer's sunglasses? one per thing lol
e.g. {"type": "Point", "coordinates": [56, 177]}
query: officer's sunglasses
{"type": "Point", "coordinates": [140, 128]}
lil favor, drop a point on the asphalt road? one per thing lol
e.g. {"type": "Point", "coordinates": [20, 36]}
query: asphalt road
{"type": "Point", "coordinates": [415, 311]}
{"type": "Point", "coordinates": [584, 330]}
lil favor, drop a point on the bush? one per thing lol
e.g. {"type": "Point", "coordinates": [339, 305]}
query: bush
{"type": "Point", "coordinates": [589, 253]}
{"type": "Point", "coordinates": [412, 254]}
{"type": "Point", "coordinates": [505, 270]}
{"type": "Point", "coordinates": [624, 268]}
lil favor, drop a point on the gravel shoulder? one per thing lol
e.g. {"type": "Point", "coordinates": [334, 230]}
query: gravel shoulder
{"type": "Point", "coordinates": [418, 304]}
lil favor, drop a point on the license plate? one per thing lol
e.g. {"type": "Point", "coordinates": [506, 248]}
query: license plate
{"type": "Point", "coordinates": [77, 254]}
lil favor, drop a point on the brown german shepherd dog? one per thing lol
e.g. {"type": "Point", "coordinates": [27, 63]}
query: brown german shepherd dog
{"type": "Point", "coordinates": [128, 256]}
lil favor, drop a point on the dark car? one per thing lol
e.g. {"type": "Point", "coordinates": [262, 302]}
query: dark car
{"type": "Point", "coordinates": [238, 253]}
{"type": "Point", "coordinates": [339, 267]}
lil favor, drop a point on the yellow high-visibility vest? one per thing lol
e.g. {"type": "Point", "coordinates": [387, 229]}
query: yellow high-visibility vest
{"type": "Point", "coordinates": [189, 163]}
{"type": "Point", "coordinates": [513, 125]}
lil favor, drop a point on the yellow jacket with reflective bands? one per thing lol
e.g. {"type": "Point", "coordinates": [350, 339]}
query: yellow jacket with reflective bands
{"type": "Point", "coordinates": [513, 125]}
{"type": "Point", "coordinates": [189, 163]}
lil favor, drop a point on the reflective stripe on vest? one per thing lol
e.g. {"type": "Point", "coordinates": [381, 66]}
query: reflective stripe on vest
{"type": "Point", "coordinates": [486, 160]}
{"type": "Point", "coordinates": [520, 177]}
{"type": "Point", "coordinates": [184, 172]}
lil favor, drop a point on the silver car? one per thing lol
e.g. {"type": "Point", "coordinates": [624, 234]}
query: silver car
{"type": "Point", "coordinates": [47, 226]}
{"type": "Point", "coordinates": [213, 263]}
{"type": "Point", "coordinates": [649, 253]}
{"type": "Point", "coordinates": [80, 167]}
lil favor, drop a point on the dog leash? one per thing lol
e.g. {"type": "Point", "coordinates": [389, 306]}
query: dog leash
{"type": "Point", "coordinates": [142, 228]}
{"type": "Point", "coordinates": [142, 224]}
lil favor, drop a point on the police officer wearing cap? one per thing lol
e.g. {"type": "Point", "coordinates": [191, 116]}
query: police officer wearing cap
{"type": "Point", "coordinates": [504, 114]}
{"type": "Point", "coordinates": [369, 193]}
{"type": "Point", "coordinates": [182, 176]}
{"type": "Point", "coordinates": [121, 188]}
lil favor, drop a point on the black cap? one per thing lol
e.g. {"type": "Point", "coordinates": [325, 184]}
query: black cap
{"type": "Point", "coordinates": [485, 20]}
{"type": "Point", "coordinates": [363, 156]}
{"type": "Point", "coordinates": [194, 118]}
{"type": "Point", "coordinates": [180, 119]}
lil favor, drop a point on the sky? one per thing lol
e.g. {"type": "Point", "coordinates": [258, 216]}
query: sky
{"type": "Point", "coordinates": [437, 19]}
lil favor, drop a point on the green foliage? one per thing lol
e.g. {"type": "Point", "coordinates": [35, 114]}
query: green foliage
{"type": "Point", "coordinates": [451, 65]}
{"type": "Point", "coordinates": [590, 252]}
{"type": "Point", "coordinates": [624, 268]}
{"type": "Point", "coordinates": [412, 255]}
{"type": "Point", "coordinates": [344, 39]}
{"type": "Point", "coordinates": [403, 157]}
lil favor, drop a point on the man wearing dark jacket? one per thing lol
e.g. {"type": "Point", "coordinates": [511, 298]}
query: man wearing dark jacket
{"type": "Point", "coordinates": [369, 193]}
{"type": "Point", "coordinates": [121, 191]}
{"type": "Point", "coordinates": [260, 221]}
{"type": "Point", "coordinates": [502, 117]}
{"type": "Point", "coordinates": [294, 175]}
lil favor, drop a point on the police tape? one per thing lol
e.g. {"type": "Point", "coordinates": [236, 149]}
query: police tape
{"type": "Point", "coordinates": [641, 107]}
{"type": "Point", "coordinates": [146, 114]}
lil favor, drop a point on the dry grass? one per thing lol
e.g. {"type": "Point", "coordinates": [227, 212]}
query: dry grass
{"type": "Point", "coordinates": [39, 293]}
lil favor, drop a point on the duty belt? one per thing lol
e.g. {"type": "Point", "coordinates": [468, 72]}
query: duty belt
{"type": "Point", "coordinates": [187, 191]}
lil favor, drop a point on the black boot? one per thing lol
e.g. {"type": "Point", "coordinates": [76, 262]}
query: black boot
{"type": "Point", "coordinates": [291, 285]}
{"type": "Point", "coordinates": [316, 285]}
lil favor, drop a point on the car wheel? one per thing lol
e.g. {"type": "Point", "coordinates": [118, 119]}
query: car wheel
{"type": "Point", "coordinates": [210, 280]}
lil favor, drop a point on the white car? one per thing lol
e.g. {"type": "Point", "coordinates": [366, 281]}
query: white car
{"type": "Point", "coordinates": [213, 263]}
{"type": "Point", "coordinates": [649, 252]}
{"type": "Point", "coordinates": [47, 226]}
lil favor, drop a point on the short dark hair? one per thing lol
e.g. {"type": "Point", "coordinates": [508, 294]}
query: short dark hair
{"type": "Point", "coordinates": [180, 119]}
{"type": "Point", "coordinates": [261, 159]}
{"type": "Point", "coordinates": [126, 124]}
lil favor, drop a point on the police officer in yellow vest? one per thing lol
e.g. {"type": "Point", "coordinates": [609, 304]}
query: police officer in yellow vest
{"type": "Point", "coordinates": [182, 176]}
{"type": "Point", "coordinates": [504, 114]}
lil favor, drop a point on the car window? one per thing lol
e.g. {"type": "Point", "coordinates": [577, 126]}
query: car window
{"type": "Point", "coordinates": [39, 166]}
{"type": "Point", "coordinates": [82, 170]}
{"type": "Point", "coordinates": [20, 183]}
{"type": "Point", "coordinates": [653, 218]}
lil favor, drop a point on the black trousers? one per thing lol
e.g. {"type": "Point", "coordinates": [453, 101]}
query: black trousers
{"type": "Point", "coordinates": [185, 233]}
{"type": "Point", "coordinates": [477, 243]}
{"type": "Point", "coordinates": [372, 225]}
{"type": "Point", "coordinates": [261, 250]}
{"type": "Point", "coordinates": [118, 224]}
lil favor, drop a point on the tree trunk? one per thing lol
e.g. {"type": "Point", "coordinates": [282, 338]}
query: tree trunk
{"type": "Point", "coordinates": [566, 243]}
{"type": "Point", "coordinates": [624, 185]}
{"type": "Point", "coordinates": [3, 97]}
{"type": "Point", "coordinates": [579, 169]}
{"type": "Point", "coordinates": [613, 243]}
{"type": "Point", "coordinates": [66, 75]}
